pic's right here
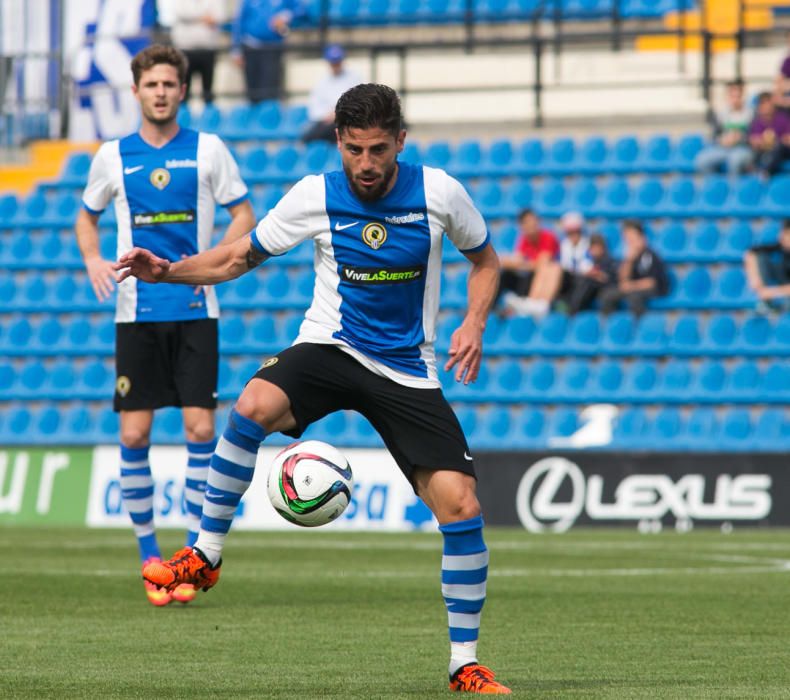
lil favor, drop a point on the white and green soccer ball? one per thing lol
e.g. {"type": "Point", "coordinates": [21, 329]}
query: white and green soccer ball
{"type": "Point", "coordinates": [310, 483]}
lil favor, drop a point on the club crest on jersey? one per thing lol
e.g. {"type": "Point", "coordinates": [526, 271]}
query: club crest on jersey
{"type": "Point", "coordinates": [160, 178]}
{"type": "Point", "coordinates": [122, 386]}
{"type": "Point", "coordinates": [374, 235]}
{"type": "Point", "coordinates": [271, 361]}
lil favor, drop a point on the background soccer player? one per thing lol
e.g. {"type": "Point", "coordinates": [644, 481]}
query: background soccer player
{"type": "Point", "coordinates": [366, 344]}
{"type": "Point", "coordinates": [165, 182]}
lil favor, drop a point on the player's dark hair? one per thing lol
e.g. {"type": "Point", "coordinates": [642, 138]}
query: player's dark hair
{"type": "Point", "coordinates": [369, 106]}
{"type": "Point", "coordinates": [156, 54]}
{"type": "Point", "coordinates": [526, 211]}
{"type": "Point", "coordinates": [764, 97]}
{"type": "Point", "coordinates": [634, 225]}
{"type": "Point", "coordinates": [786, 224]}
{"type": "Point", "coordinates": [598, 239]}
{"type": "Point", "coordinates": [737, 82]}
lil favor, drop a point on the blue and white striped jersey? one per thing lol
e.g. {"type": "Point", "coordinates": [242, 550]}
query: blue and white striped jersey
{"type": "Point", "coordinates": [377, 264]}
{"type": "Point", "coordinates": [165, 200]}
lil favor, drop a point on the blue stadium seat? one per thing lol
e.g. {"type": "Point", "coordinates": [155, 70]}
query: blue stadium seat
{"type": "Point", "coordinates": [736, 430]}
{"type": "Point", "coordinates": [720, 335]}
{"type": "Point", "coordinates": [31, 379]}
{"type": "Point", "coordinates": [551, 334]}
{"type": "Point", "coordinates": [655, 156]}
{"type": "Point", "coordinates": [518, 195]}
{"type": "Point", "coordinates": [411, 153]}
{"type": "Point", "coordinates": [507, 380]}
{"type": "Point", "coordinates": [530, 157]}
{"type": "Point", "coordinates": [631, 429]}
{"type": "Point", "coordinates": [574, 382]}
{"type": "Point", "coordinates": [685, 337]}
{"type": "Point", "coordinates": [712, 196]}
{"type": "Point", "coordinates": [650, 336]}
{"type": "Point", "coordinates": [584, 334]}
{"type": "Point", "coordinates": [48, 336]}
{"type": "Point", "coordinates": [679, 198]}
{"type": "Point", "coordinates": [266, 119]}
{"type": "Point", "coordinates": [294, 122]}
{"type": "Point", "coordinates": [746, 199]}
{"type": "Point", "coordinates": [775, 386]}
{"type": "Point", "coordinates": [560, 157]}
{"type": "Point", "coordinates": [9, 205]}
{"type": "Point", "coordinates": [687, 148]}
{"type": "Point", "coordinates": [772, 430]}
{"type": "Point", "coordinates": [646, 198]}
{"type": "Point", "coordinates": [498, 159]}
{"type": "Point", "coordinates": [489, 198]}
{"type": "Point", "coordinates": [253, 165]}
{"type": "Point", "coordinates": [529, 427]}
{"type": "Point", "coordinates": [613, 199]}
{"type": "Point", "coordinates": [665, 428]}
{"type": "Point", "coordinates": [437, 154]}
{"type": "Point", "coordinates": [744, 381]}
{"type": "Point", "coordinates": [701, 429]}
{"type": "Point", "coordinates": [563, 423]}
{"type": "Point", "coordinates": [466, 160]}
{"type": "Point", "coordinates": [540, 380]}
{"type": "Point", "coordinates": [232, 333]}
{"type": "Point", "coordinates": [623, 155]}
{"type": "Point", "coordinates": [756, 336]}
{"type": "Point", "coordinates": [781, 345]}
{"type": "Point", "coordinates": [316, 155]}
{"type": "Point", "coordinates": [732, 290]}
{"type": "Point", "coordinates": [591, 156]}
{"type": "Point", "coordinates": [18, 336]}
{"type": "Point", "coordinates": [709, 381]}
{"type": "Point", "coordinates": [776, 197]}
{"type": "Point", "coordinates": [705, 244]}
{"type": "Point", "coordinates": [75, 171]}
{"type": "Point", "coordinates": [671, 244]}
{"type": "Point", "coordinates": [737, 241]}
{"type": "Point", "coordinates": [495, 427]}
{"type": "Point", "coordinates": [209, 119]}
{"type": "Point", "coordinates": [97, 380]}
{"type": "Point", "coordinates": [518, 335]}
{"type": "Point", "coordinates": [168, 426]}
{"type": "Point", "coordinates": [608, 379]}
{"type": "Point", "coordinates": [550, 198]}
{"type": "Point", "coordinates": [582, 195]}
{"type": "Point", "coordinates": [639, 382]}
{"type": "Point", "coordinates": [618, 334]}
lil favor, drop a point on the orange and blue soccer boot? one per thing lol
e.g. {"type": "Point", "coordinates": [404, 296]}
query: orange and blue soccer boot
{"type": "Point", "coordinates": [188, 565]}
{"type": "Point", "coordinates": [474, 678]}
{"type": "Point", "coordinates": [155, 595]}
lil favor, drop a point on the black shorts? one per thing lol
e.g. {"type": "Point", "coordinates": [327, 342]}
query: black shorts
{"type": "Point", "coordinates": [418, 426]}
{"type": "Point", "coordinates": [166, 363]}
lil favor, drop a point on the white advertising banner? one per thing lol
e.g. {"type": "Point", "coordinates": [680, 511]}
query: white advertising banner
{"type": "Point", "coordinates": [382, 499]}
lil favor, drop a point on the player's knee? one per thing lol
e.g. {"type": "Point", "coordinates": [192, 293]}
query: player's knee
{"type": "Point", "coordinates": [463, 506]}
{"type": "Point", "coordinates": [201, 432]}
{"type": "Point", "coordinates": [134, 438]}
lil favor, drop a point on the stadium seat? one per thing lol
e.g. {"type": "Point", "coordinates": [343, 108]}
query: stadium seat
{"type": "Point", "coordinates": [168, 427]}
{"type": "Point", "coordinates": [591, 156]}
{"type": "Point", "coordinates": [688, 146]}
{"type": "Point", "coordinates": [584, 335]}
{"type": "Point", "coordinates": [495, 427]}
{"type": "Point", "coordinates": [731, 289]}
{"type": "Point", "coordinates": [700, 429]}
{"type": "Point", "coordinates": [772, 430]}
{"type": "Point", "coordinates": [518, 335]}
{"type": "Point", "coordinates": [655, 155]}
{"type": "Point", "coordinates": [613, 199]}
{"type": "Point", "coordinates": [631, 429]}
{"type": "Point", "coordinates": [685, 337]}
{"type": "Point", "coordinates": [560, 157]}
{"type": "Point", "coordinates": [529, 427]}
{"type": "Point", "coordinates": [709, 381]}
{"type": "Point", "coordinates": [679, 198]}
{"type": "Point", "coordinates": [744, 381]}
{"type": "Point", "coordinates": [530, 157]}
{"type": "Point", "coordinates": [720, 335]}
{"type": "Point", "coordinates": [618, 334]}
{"type": "Point", "coordinates": [704, 244]}
{"type": "Point", "coordinates": [466, 159]}
{"type": "Point", "coordinates": [646, 198]}
{"type": "Point", "coordinates": [498, 159]}
{"type": "Point", "coordinates": [775, 385]}
{"type": "Point", "coordinates": [736, 430]}
{"type": "Point", "coordinates": [437, 154]}
{"type": "Point", "coordinates": [623, 155]}
{"type": "Point", "coordinates": [550, 338]}
{"type": "Point", "coordinates": [665, 428]}
{"type": "Point", "coordinates": [550, 198]}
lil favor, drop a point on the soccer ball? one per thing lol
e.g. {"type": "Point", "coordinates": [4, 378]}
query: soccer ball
{"type": "Point", "coordinates": [310, 483]}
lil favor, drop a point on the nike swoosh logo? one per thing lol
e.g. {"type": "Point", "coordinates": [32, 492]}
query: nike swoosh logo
{"type": "Point", "coordinates": [467, 457]}
{"type": "Point", "coordinates": [338, 227]}
{"type": "Point", "coordinates": [129, 171]}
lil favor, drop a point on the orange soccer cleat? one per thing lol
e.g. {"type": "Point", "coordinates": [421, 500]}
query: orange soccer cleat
{"type": "Point", "coordinates": [474, 678]}
{"type": "Point", "coordinates": [188, 565]}
{"type": "Point", "coordinates": [185, 593]}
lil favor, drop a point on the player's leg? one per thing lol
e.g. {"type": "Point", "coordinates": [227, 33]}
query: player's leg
{"type": "Point", "coordinates": [426, 440]}
{"type": "Point", "coordinates": [287, 393]}
{"type": "Point", "coordinates": [141, 386]}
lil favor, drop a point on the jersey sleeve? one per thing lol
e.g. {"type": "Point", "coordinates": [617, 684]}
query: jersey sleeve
{"type": "Point", "coordinates": [294, 219]}
{"type": "Point", "coordinates": [100, 189]}
{"type": "Point", "coordinates": [465, 225]}
{"type": "Point", "coordinates": [226, 184]}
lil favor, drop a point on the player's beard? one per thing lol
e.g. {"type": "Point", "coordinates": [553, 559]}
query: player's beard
{"type": "Point", "coordinates": [374, 193]}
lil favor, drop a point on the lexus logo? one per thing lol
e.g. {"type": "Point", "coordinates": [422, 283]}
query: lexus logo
{"type": "Point", "coordinates": [635, 497]}
{"type": "Point", "coordinates": [535, 499]}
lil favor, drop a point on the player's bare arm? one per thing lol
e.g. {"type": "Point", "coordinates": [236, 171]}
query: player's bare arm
{"type": "Point", "coordinates": [242, 221]}
{"type": "Point", "coordinates": [466, 343]}
{"type": "Point", "coordinates": [220, 264]}
{"type": "Point", "coordinates": [100, 271]}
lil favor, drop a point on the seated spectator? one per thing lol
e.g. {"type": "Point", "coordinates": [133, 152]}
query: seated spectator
{"type": "Point", "coordinates": [769, 135]}
{"type": "Point", "coordinates": [599, 273]}
{"type": "Point", "coordinates": [325, 94]}
{"type": "Point", "coordinates": [730, 147]}
{"type": "Point", "coordinates": [768, 271]}
{"type": "Point", "coordinates": [641, 275]}
{"type": "Point", "coordinates": [782, 83]}
{"type": "Point", "coordinates": [535, 248]}
{"type": "Point", "coordinates": [556, 277]}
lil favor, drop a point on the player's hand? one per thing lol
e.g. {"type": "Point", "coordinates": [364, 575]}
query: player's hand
{"type": "Point", "coordinates": [466, 353]}
{"type": "Point", "coordinates": [102, 276]}
{"type": "Point", "coordinates": [143, 265]}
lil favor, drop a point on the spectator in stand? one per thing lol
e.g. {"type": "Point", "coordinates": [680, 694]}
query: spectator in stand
{"type": "Point", "coordinates": [258, 33]}
{"type": "Point", "coordinates": [521, 286]}
{"type": "Point", "coordinates": [768, 271]}
{"type": "Point", "coordinates": [599, 273]}
{"type": "Point", "coordinates": [730, 147]}
{"type": "Point", "coordinates": [325, 94]}
{"type": "Point", "coordinates": [782, 84]}
{"type": "Point", "coordinates": [196, 32]}
{"type": "Point", "coordinates": [558, 275]}
{"type": "Point", "coordinates": [641, 276]}
{"type": "Point", "coordinates": [769, 135]}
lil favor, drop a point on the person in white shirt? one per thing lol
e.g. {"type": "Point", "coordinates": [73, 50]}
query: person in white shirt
{"type": "Point", "coordinates": [325, 94]}
{"type": "Point", "coordinates": [196, 31]}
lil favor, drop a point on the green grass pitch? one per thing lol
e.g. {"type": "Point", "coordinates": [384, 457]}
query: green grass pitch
{"type": "Point", "coordinates": [588, 614]}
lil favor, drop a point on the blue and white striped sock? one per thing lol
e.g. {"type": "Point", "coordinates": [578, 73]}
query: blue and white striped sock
{"type": "Point", "coordinates": [229, 476]}
{"type": "Point", "coordinates": [198, 459]}
{"type": "Point", "coordinates": [464, 574]}
{"type": "Point", "coordinates": [137, 492]}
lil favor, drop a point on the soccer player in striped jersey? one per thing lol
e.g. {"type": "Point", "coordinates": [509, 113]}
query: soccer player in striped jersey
{"type": "Point", "coordinates": [366, 344]}
{"type": "Point", "coordinates": [165, 182]}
